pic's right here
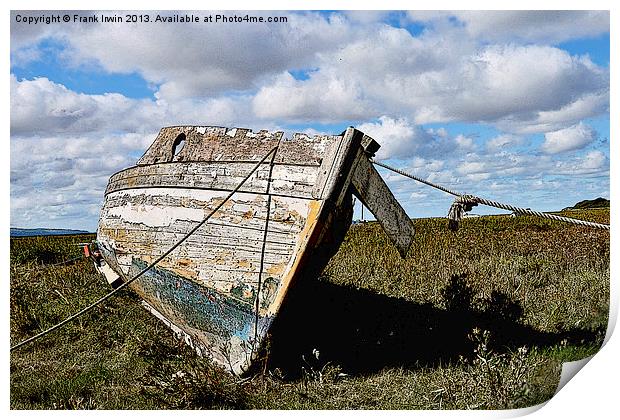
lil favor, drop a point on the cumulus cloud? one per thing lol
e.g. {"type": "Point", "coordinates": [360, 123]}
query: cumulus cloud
{"type": "Point", "coordinates": [510, 86]}
{"type": "Point", "coordinates": [503, 142]}
{"type": "Point", "coordinates": [472, 168]}
{"type": "Point", "coordinates": [325, 98]}
{"type": "Point", "coordinates": [551, 26]}
{"type": "Point", "coordinates": [44, 107]}
{"type": "Point", "coordinates": [202, 59]}
{"type": "Point", "coordinates": [41, 107]}
{"type": "Point", "coordinates": [398, 138]}
{"type": "Point", "coordinates": [401, 139]}
{"type": "Point", "coordinates": [593, 163]}
{"type": "Point", "coordinates": [58, 181]}
{"type": "Point", "coordinates": [596, 103]}
{"type": "Point", "coordinates": [571, 138]}
{"type": "Point", "coordinates": [360, 71]}
{"type": "Point", "coordinates": [354, 67]}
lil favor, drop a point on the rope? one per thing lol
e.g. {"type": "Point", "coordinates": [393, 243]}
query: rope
{"type": "Point", "coordinates": [264, 247]}
{"type": "Point", "coordinates": [458, 210]}
{"type": "Point", "coordinates": [464, 203]}
{"type": "Point", "coordinates": [115, 291]}
{"type": "Point", "coordinates": [68, 261]}
{"type": "Point", "coordinates": [520, 210]}
{"type": "Point", "coordinates": [60, 263]}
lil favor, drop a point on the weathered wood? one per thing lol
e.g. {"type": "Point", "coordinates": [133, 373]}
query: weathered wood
{"type": "Point", "coordinates": [145, 222]}
{"type": "Point", "coordinates": [235, 144]}
{"type": "Point", "coordinates": [212, 287]}
{"type": "Point", "coordinates": [338, 171]}
{"type": "Point", "coordinates": [377, 197]}
{"type": "Point", "coordinates": [287, 180]}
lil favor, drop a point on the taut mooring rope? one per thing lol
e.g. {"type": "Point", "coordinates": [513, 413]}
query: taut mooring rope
{"type": "Point", "coordinates": [464, 203]}
{"type": "Point", "coordinates": [263, 248]}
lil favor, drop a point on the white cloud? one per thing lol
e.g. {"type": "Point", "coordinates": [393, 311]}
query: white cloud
{"type": "Point", "coordinates": [544, 185]}
{"type": "Point", "coordinates": [525, 25]}
{"type": "Point", "coordinates": [439, 132]}
{"type": "Point", "coordinates": [359, 71]}
{"type": "Point", "coordinates": [43, 107]}
{"type": "Point", "coordinates": [593, 163]}
{"type": "Point", "coordinates": [401, 139]}
{"type": "Point", "coordinates": [571, 138]}
{"type": "Point", "coordinates": [596, 103]}
{"type": "Point", "coordinates": [58, 181]}
{"type": "Point", "coordinates": [510, 83]}
{"type": "Point", "coordinates": [503, 142]}
{"type": "Point", "coordinates": [478, 176]}
{"type": "Point", "coordinates": [510, 86]}
{"type": "Point", "coordinates": [190, 61]}
{"type": "Point", "coordinates": [398, 138]}
{"type": "Point", "coordinates": [472, 168]}
{"type": "Point", "coordinates": [416, 195]}
{"type": "Point", "coordinates": [64, 144]}
{"type": "Point", "coordinates": [464, 143]}
{"type": "Point", "coordinates": [325, 97]}
{"type": "Point", "coordinates": [431, 165]}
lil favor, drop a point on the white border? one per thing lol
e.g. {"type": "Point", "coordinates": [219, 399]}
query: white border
{"type": "Point", "coordinates": [593, 393]}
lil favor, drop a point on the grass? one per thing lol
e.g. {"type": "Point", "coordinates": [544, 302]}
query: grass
{"type": "Point", "coordinates": [481, 318]}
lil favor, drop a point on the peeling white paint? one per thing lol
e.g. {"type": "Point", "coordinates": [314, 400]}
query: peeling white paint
{"type": "Point", "coordinates": [242, 208]}
{"type": "Point", "coordinates": [283, 184]}
{"type": "Point", "coordinates": [156, 216]}
{"type": "Point", "coordinates": [124, 261]}
{"type": "Point", "coordinates": [201, 130]}
{"type": "Point", "coordinates": [180, 193]}
{"type": "Point", "coordinates": [301, 207]}
{"type": "Point", "coordinates": [232, 132]}
{"type": "Point", "coordinates": [239, 358]}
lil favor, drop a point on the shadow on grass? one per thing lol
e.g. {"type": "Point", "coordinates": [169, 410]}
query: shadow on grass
{"type": "Point", "coordinates": [363, 332]}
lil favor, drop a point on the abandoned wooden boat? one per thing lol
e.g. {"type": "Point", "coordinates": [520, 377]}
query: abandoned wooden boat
{"type": "Point", "coordinates": [223, 286]}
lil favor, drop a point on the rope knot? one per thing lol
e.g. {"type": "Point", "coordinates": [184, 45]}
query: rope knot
{"type": "Point", "coordinates": [461, 205]}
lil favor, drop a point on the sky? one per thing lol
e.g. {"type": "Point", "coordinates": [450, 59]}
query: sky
{"type": "Point", "coordinates": [512, 106]}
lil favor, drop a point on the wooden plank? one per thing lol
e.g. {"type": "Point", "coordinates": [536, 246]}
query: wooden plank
{"type": "Point", "coordinates": [144, 223]}
{"type": "Point", "coordinates": [197, 239]}
{"type": "Point", "coordinates": [235, 144]}
{"type": "Point", "coordinates": [158, 208]}
{"type": "Point", "coordinates": [339, 169]}
{"type": "Point", "coordinates": [376, 196]}
{"type": "Point", "coordinates": [294, 181]}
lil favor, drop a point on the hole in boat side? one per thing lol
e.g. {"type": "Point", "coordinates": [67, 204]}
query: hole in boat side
{"type": "Point", "coordinates": [178, 145]}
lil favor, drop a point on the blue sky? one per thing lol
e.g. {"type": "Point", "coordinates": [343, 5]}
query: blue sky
{"type": "Point", "coordinates": [514, 112]}
{"type": "Point", "coordinates": [88, 79]}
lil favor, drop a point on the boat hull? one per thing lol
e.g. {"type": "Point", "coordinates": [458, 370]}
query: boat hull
{"type": "Point", "coordinates": [223, 286]}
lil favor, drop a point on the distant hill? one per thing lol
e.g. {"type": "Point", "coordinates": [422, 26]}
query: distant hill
{"type": "Point", "coordinates": [597, 203]}
{"type": "Point", "coordinates": [45, 232]}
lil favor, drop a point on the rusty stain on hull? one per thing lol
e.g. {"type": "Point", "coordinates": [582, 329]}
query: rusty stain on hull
{"type": "Point", "coordinates": [212, 286]}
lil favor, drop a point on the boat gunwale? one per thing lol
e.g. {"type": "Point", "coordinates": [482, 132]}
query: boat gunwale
{"type": "Point", "coordinates": [191, 187]}
{"type": "Point", "coordinates": [211, 161]}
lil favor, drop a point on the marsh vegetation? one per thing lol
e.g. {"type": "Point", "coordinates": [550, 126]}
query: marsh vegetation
{"type": "Point", "coordinates": [479, 318]}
